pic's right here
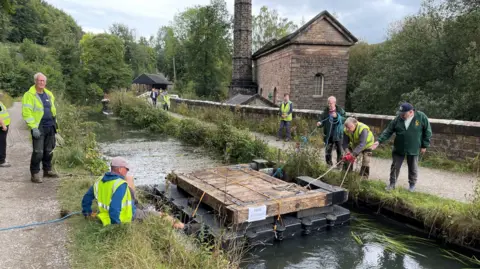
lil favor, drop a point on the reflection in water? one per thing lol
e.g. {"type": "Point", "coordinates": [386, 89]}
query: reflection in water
{"type": "Point", "coordinates": [153, 156]}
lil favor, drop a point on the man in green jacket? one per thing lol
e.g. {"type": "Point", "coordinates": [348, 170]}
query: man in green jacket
{"type": "Point", "coordinates": [412, 136]}
{"type": "Point", "coordinates": [39, 112]}
{"type": "Point", "coordinates": [332, 120]}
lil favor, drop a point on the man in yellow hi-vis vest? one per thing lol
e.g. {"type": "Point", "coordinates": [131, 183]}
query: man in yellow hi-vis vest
{"type": "Point", "coordinates": [165, 100]}
{"type": "Point", "coordinates": [39, 112]}
{"type": "Point", "coordinates": [115, 195]}
{"type": "Point", "coordinates": [358, 139]}
{"type": "Point", "coordinates": [286, 110]}
{"type": "Point", "coordinates": [4, 124]}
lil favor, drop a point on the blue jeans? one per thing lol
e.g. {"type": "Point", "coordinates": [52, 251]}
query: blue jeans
{"type": "Point", "coordinates": [286, 125]}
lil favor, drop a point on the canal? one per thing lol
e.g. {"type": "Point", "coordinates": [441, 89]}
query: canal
{"type": "Point", "coordinates": [369, 242]}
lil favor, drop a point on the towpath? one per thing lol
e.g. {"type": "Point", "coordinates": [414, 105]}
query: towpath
{"type": "Point", "coordinates": [23, 202]}
{"type": "Point", "coordinates": [442, 183]}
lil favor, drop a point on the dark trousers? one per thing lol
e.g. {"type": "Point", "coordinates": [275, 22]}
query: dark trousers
{"type": "Point", "coordinates": [286, 125]}
{"type": "Point", "coordinates": [42, 150]}
{"type": "Point", "coordinates": [329, 149]}
{"type": "Point", "coordinates": [3, 145]}
{"type": "Point", "coordinates": [154, 102]}
{"type": "Point", "coordinates": [412, 163]}
{"type": "Point", "coordinates": [165, 106]}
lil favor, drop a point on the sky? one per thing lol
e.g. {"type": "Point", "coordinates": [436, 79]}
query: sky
{"type": "Point", "coordinates": [368, 20]}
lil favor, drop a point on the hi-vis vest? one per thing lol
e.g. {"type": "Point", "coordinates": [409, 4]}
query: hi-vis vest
{"type": "Point", "coordinates": [4, 114]}
{"type": "Point", "coordinates": [32, 107]}
{"type": "Point", "coordinates": [103, 193]}
{"type": "Point", "coordinates": [284, 109]}
{"type": "Point", "coordinates": [166, 99]}
{"type": "Point", "coordinates": [355, 136]}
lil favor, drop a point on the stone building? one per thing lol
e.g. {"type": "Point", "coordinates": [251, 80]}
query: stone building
{"type": "Point", "coordinates": [311, 64]}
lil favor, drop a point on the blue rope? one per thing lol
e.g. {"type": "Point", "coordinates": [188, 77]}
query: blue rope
{"type": "Point", "coordinates": [39, 223]}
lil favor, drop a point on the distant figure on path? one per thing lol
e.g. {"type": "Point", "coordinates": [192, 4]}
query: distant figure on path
{"type": "Point", "coordinates": [412, 136]}
{"type": "Point", "coordinates": [115, 195]}
{"type": "Point", "coordinates": [39, 111]}
{"type": "Point", "coordinates": [286, 110]}
{"type": "Point", "coordinates": [332, 122]}
{"type": "Point", "coordinates": [4, 124]}
{"type": "Point", "coordinates": [165, 100]}
{"type": "Point", "coordinates": [154, 95]}
{"type": "Point", "coordinates": [357, 140]}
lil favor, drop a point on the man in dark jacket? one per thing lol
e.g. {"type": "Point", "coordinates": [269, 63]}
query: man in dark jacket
{"type": "Point", "coordinates": [412, 136]}
{"type": "Point", "coordinates": [332, 120]}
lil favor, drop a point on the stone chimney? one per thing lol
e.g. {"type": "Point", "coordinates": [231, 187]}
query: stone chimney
{"type": "Point", "coordinates": [242, 81]}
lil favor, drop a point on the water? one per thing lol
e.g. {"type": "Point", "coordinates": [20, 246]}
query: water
{"type": "Point", "coordinates": [154, 156]}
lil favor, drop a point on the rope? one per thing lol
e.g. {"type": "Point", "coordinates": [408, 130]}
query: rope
{"type": "Point", "coordinates": [324, 174]}
{"type": "Point", "coordinates": [346, 173]}
{"type": "Point", "coordinates": [40, 223]}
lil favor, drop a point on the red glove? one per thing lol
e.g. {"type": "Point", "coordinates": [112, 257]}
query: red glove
{"type": "Point", "coordinates": [349, 158]}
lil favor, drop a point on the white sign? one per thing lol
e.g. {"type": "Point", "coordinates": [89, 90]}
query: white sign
{"type": "Point", "coordinates": [257, 213]}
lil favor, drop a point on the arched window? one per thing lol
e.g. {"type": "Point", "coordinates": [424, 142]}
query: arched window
{"type": "Point", "coordinates": [319, 81]}
{"type": "Point", "coordinates": [275, 95]}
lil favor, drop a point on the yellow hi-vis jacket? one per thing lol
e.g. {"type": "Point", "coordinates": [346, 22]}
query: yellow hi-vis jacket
{"type": "Point", "coordinates": [32, 107]}
{"type": "Point", "coordinates": [354, 138]}
{"type": "Point", "coordinates": [4, 114]}
{"type": "Point", "coordinates": [103, 192]}
{"type": "Point", "coordinates": [166, 99]}
{"type": "Point", "coordinates": [284, 109]}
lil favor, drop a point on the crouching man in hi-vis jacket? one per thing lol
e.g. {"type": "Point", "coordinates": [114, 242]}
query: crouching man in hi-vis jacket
{"type": "Point", "coordinates": [115, 195]}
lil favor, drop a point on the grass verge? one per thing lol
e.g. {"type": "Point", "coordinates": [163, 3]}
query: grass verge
{"type": "Point", "coordinates": [150, 244]}
{"type": "Point", "coordinates": [460, 222]}
{"type": "Point", "coordinates": [7, 100]}
{"type": "Point", "coordinates": [303, 127]}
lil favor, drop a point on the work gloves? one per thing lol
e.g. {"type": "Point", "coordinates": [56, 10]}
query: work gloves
{"type": "Point", "coordinates": [36, 133]}
{"type": "Point", "coordinates": [349, 158]}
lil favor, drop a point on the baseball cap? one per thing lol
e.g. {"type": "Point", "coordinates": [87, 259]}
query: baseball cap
{"type": "Point", "coordinates": [405, 107]}
{"type": "Point", "coordinates": [120, 162]}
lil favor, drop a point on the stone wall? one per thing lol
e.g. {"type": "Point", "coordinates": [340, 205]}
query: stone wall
{"type": "Point", "coordinates": [273, 72]}
{"type": "Point", "coordinates": [456, 139]}
{"type": "Point", "coordinates": [328, 62]}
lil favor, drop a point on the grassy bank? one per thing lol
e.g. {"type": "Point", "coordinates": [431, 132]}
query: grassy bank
{"type": "Point", "coordinates": [438, 214]}
{"type": "Point", "coordinates": [304, 127]}
{"type": "Point", "coordinates": [150, 244]}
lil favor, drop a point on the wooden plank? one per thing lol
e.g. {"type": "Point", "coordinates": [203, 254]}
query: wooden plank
{"type": "Point", "coordinates": [288, 205]}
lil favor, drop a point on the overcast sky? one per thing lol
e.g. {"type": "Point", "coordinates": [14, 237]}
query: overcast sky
{"type": "Point", "coordinates": [366, 19]}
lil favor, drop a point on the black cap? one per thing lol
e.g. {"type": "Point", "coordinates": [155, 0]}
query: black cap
{"type": "Point", "coordinates": [405, 107]}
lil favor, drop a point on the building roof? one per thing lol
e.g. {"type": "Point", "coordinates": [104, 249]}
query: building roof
{"type": "Point", "coordinates": [274, 44]}
{"type": "Point", "coordinates": [243, 99]}
{"type": "Point", "coordinates": [151, 79]}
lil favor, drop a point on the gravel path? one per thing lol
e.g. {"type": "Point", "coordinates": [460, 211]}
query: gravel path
{"type": "Point", "coordinates": [23, 202]}
{"type": "Point", "coordinates": [442, 183]}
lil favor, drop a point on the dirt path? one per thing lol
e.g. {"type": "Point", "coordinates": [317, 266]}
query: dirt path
{"type": "Point", "coordinates": [437, 182]}
{"type": "Point", "coordinates": [24, 202]}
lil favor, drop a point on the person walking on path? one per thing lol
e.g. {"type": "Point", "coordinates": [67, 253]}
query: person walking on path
{"type": "Point", "coordinates": [286, 110]}
{"type": "Point", "coordinates": [412, 136]}
{"type": "Point", "coordinates": [4, 124]}
{"type": "Point", "coordinates": [166, 100]}
{"type": "Point", "coordinates": [332, 122]}
{"type": "Point", "coordinates": [154, 95]}
{"type": "Point", "coordinates": [39, 112]}
{"type": "Point", "coordinates": [357, 140]}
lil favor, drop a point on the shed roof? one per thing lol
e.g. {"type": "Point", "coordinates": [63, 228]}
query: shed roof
{"type": "Point", "coordinates": [151, 79]}
{"type": "Point", "coordinates": [243, 99]}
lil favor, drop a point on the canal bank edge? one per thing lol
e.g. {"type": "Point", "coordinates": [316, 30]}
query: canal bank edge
{"type": "Point", "coordinates": [149, 244]}
{"type": "Point", "coordinates": [445, 216]}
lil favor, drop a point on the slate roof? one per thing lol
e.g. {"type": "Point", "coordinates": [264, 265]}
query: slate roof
{"type": "Point", "coordinates": [242, 99]}
{"type": "Point", "coordinates": [151, 79]}
{"type": "Point", "coordinates": [274, 44]}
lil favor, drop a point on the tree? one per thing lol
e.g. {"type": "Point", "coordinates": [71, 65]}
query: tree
{"type": "Point", "coordinates": [268, 25]}
{"type": "Point", "coordinates": [102, 58]}
{"type": "Point", "coordinates": [208, 49]}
